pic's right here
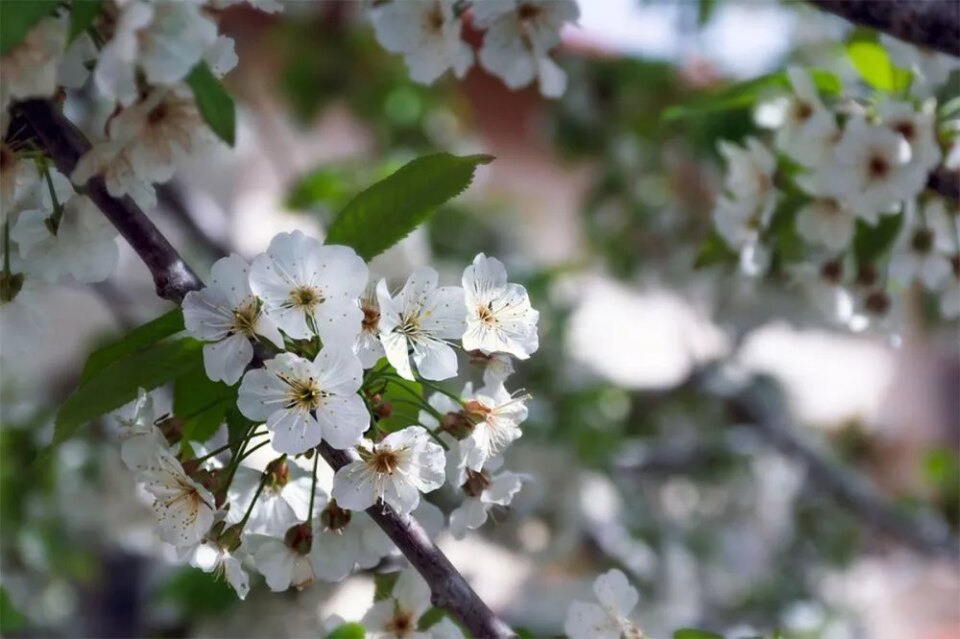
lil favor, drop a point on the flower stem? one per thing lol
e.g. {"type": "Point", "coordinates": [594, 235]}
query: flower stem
{"type": "Point", "coordinates": [256, 495]}
{"type": "Point", "coordinates": [313, 485]}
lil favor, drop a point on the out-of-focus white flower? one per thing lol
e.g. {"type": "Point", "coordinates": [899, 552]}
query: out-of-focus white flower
{"type": "Point", "coordinates": [283, 502]}
{"type": "Point", "coordinates": [918, 128]}
{"type": "Point", "coordinates": [826, 221]}
{"type": "Point", "coordinates": [30, 67]}
{"type": "Point", "coordinates": [750, 196]}
{"type": "Point", "coordinates": [165, 38]}
{"type": "Point", "coordinates": [395, 470]}
{"type": "Point", "coordinates": [809, 129]}
{"type": "Point", "coordinates": [227, 316]}
{"type": "Point", "coordinates": [210, 556]}
{"type": "Point", "coordinates": [499, 315]}
{"type": "Point", "coordinates": [427, 33]}
{"type": "Point", "coordinates": [306, 286]}
{"type": "Point", "coordinates": [483, 491]}
{"type": "Point", "coordinates": [873, 169]}
{"type": "Point", "coordinates": [519, 37]}
{"type": "Point", "coordinates": [445, 629]}
{"type": "Point", "coordinates": [930, 68]}
{"type": "Point", "coordinates": [22, 320]}
{"type": "Point", "coordinates": [160, 132]}
{"type": "Point", "coordinates": [496, 417]}
{"type": "Point", "coordinates": [823, 285]}
{"type": "Point", "coordinates": [421, 317]}
{"type": "Point", "coordinates": [915, 255]}
{"type": "Point", "coordinates": [397, 616]}
{"type": "Point", "coordinates": [82, 244]}
{"type": "Point", "coordinates": [368, 346]}
{"type": "Point", "coordinates": [140, 439]}
{"type": "Point", "coordinates": [184, 509]}
{"type": "Point", "coordinates": [74, 69]}
{"type": "Point", "coordinates": [950, 295]}
{"type": "Point", "coordinates": [287, 563]}
{"type": "Point", "coordinates": [18, 175]}
{"type": "Point", "coordinates": [608, 619]}
{"type": "Point", "coordinates": [221, 57]}
{"type": "Point", "coordinates": [306, 402]}
{"type": "Point", "coordinates": [111, 160]}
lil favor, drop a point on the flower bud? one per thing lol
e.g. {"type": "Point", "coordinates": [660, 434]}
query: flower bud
{"type": "Point", "coordinates": [171, 427]}
{"type": "Point", "coordinates": [476, 483]}
{"type": "Point", "coordinates": [230, 538]}
{"type": "Point", "coordinates": [459, 425]}
{"type": "Point", "coordinates": [299, 538]}
{"type": "Point", "coordinates": [334, 518]}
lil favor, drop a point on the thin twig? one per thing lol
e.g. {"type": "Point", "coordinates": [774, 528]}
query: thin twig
{"type": "Point", "coordinates": [932, 24]}
{"type": "Point", "coordinates": [174, 279]}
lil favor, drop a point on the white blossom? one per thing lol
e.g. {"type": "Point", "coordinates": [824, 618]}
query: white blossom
{"type": "Point", "coordinates": [209, 556]}
{"type": "Point", "coordinates": [283, 502]}
{"type": "Point", "coordinates": [140, 439]}
{"type": "Point", "coordinates": [184, 509]}
{"type": "Point", "coordinates": [30, 67]}
{"type": "Point", "coordinates": [306, 402]}
{"type": "Point", "coordinates": [496, 417]}
{"type": "Point", "coordinates": [918, 128]}
{"type": "Point", "coordinates": [930, 68]}
{"type": "Point", "coordinates": [427, 33]}
{"type": "Point", "coordinates": [750, 197]}
{"type": "Point", "coordinates": [165, 39]}
{"type": "Point", "coordinates": [519, 37]}
{"type": "Point", "coordinates": [286, 563]}
{"type": "Point", "coordinates": [915, 255]}
{"type": "Point", "coordinates": [826, 221]}
{"type": "Point", "coordinates": [22, 318]}
{"type": "Point", "coordinates": [397, 616]}
{"type": "Point", "coordinates": [112, 160]}
{"type": "Point", "coordinates": [482, 492]}
{"type": "Point", "coordinates": [809, 129]}
{"type": "Point", "coordinates": [305, 285]}
{"type": "Point", "coordinates": [368, 346]}
{"type": "Point", "coordinates": [608, 619]}
{"type": "Point", "coordinates": [18, 175]}
{"type": "Point", "coordinates": [227, 316]}
{"type": "Point", "coordinates": [396, 470]}
{"type": "Point", "coordinates": [499, 315]}
{"type": "Point", "coordinates": [83, 245]}
{"type": "Point", "coordinates": [420, 318]}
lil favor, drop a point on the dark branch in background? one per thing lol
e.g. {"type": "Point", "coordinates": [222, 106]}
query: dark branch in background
{"type": "Point", "coordinates": [171, 198]}
{"type": "Point", "coordinates": [65, 144]}
{"type": "Point", "coordinates": [933, 24]}
{"type": "Point", "coordinates": [945, 182]}
{"type": "Point", "coordinates": [174, 279]}
{"type": "Point", "coordinates": [760, 404]}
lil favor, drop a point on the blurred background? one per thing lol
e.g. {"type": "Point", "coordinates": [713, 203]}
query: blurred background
{"type": "Point", "coordinates": [749, 466]}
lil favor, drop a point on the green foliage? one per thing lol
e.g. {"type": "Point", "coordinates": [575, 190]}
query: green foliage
{"type": "Point", "coordinates": [136, 340]}
{"type": "Point", "coordinates": [82, 15]}
{"type": "Point", "coordinates": [873, 64]}
{"type": "Point", "coordinates": [348, 631]}
{"type": "Point", "coordinates": [17, 18]}
{"type": "Point", "coordinates": [714, 251]}
{"type": "Point", "coordinates": [117, 383]}
{"type": "Point", "coordinates": [197, 594]}
{"type": "Point", "coordinates": [237, 427]}
{"type": "Point", "coordinates": [11, 619]}
{"type": "Point", "coordinates": [214, 102]}
{"type": "Point", "coordinates": [402, 395]}
{"type": "Point", "coordinates": [430, 618]}
{"type": "Point", "coordinates": [201, 403]}
{"type": "Point", "coordinates": [744, 95]}
{"type": "Point", "coordinates": [388, 211]}
{"type": "Point", "coordinates": [324, 186]}
{"type": "Point", "coordinates": [872, 242]}
{"type": "Point", "coordinates": [383, 584]}
{"type": "Point", "coordinates": [693, 633]}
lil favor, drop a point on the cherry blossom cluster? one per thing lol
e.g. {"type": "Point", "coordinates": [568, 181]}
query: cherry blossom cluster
{"type": "Point", "coordinates": [132, 63]}
{"type": "Point", "coordinates": [518, 37]}
{"type": "Point", "coordinates": [844, 176]}
{"type": "Point", "coordinates": [312, 343]}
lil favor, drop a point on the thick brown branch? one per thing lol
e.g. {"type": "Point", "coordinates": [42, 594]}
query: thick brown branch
{"type": "Point", "coordinates": [174, 279]}
{"type": "Point", "coordinates": [933, 24]}
{"type": "Point", "coordinates": [65, 144]}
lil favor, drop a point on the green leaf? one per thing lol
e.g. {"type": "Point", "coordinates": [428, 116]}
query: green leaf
{"type": "Point", "coordinates": [327, 186]}
{"type": "Point", "coordinates": [237, 427]}
{"type": "Point", "coordinates": [385, 213]}
{"type": "Point", "coordinates": [714, 251]}
{"type": "Point", "coordinates": [873, 64]}
{"type": "Point", "coordinates": [705, 10]}
{"type": "Point", "coordinates": [17, 18]}
{"type": "Point", "coordinates": [82, 15]}
{"type": "Point", "coordinates": [383, 585]}
{"type": "Point", "coordinates": [430, 618]}
{"type": "Point", "coordinates": [402, 395]}
{"type": "Point", "coordinates": [117, 384]}
{"type": "Point", "coordinates": [201, 403]}
{"type": "Point", "coordinates": [693, 633]}
{"type": "Point", "coordinates": [744, 95]}
{"type": "Point", "coordinates": [871, 242]}
{"type": "Point", "coordinates": [11, 619]}
{"type": "Point", "coordinates": [197, 594]}
{"type": "Point", "coordinates": [138, 339]}
{"type": "Point", "coordinates": [348, 631]}
{"type": "Point", "coordinates": [214, 102]}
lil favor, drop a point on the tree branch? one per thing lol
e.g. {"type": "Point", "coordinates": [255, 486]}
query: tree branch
{"type": "Point", "coordinates": [945, 182]}
{"type": "Point", "coordinates": [760, 403]}
{"type": "Point", "coordinates": [932, 24]}
{"type": "Point", "coordinates": [174, 279]}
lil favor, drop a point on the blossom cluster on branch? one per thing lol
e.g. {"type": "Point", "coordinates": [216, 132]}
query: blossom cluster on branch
{"type": "Point", "coordinates": [843, 201]}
